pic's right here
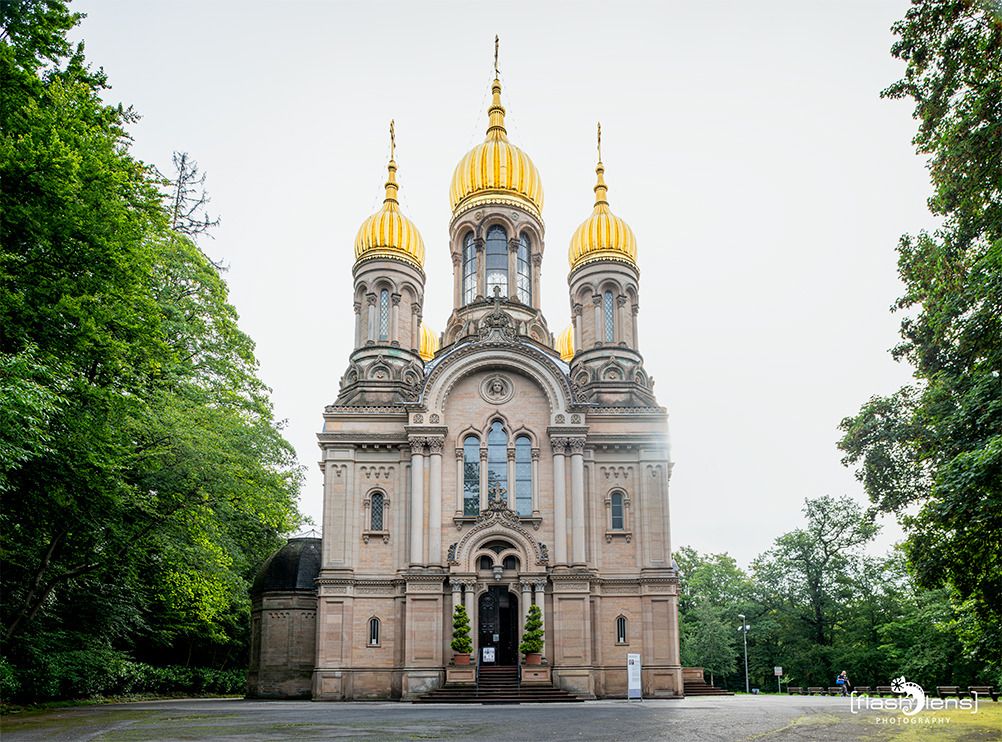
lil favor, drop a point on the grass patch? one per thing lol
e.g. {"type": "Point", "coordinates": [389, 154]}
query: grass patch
{"type": "Point", "coordinates": [953, 724]}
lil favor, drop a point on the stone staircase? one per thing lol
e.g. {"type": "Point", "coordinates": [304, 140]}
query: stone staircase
{"type": "Point", "coordinates": [702, 688]}
{"type": "Point", "coordinates": [498, 684]}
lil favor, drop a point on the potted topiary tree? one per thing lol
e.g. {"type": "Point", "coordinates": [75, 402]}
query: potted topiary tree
{"type": "Point", "coordinates": [532, 637]}
{"type": "Point", "coordinates": [461, 643]}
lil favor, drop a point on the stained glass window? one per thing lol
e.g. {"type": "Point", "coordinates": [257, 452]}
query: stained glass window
{"type": "Point", "coordinates": [609, 311]}
{"type": "Point", "coordinates": [469, 269]}
{"type": "Point", "coordinates": [497, 461]}
{"type": "Point", "coordinates": [497, 261]}
{"type": "Point", "coordinates": [471, 475]}
{"type": "Point", "coordinates": [523, 475]}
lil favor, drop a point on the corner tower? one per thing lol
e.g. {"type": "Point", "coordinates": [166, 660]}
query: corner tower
{"type": "Point", "coordinates": [496, 233]}
{"type": "Point", "coordinates": [604, 285]}
{"type": "Point", "coordinates": [386, 366]}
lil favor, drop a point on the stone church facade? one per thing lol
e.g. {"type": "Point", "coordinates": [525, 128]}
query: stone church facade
{"type": "Point", "coordinates": [496, 465]}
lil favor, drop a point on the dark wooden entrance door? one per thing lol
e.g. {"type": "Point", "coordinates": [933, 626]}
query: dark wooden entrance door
{"type": "Point", "coordinates": [498, 624]}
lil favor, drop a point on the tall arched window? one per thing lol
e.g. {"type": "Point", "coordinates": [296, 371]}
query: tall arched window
{"type": "Point", "coordinates": [471, 475]}
{"type": "Point", "coordinates": [616, 506]}
{"type": "Point", "coordinates": [523, 475]}
{"type": "Point", "coordinates": [384, 315]}
{"type": "Point", "coordinates": [621, 630]}
{"type": "Point", "coordinates": [374, 632]}
{"type": "Point", "coordinates": [524, 285]}
{"type": "Point", "coordinates": [609, 313]}
{"type": "Point", "coordinates": [497, 461]}
{"type": "Point", "coordinates": [497, 261]}
{"type": "Point", "coordinates": [376, 512]}
{"type": "Point", "coordinates": [469, 269]}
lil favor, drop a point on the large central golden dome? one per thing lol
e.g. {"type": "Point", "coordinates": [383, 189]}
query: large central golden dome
{"type": "Point", "coordinates": [496, 171]}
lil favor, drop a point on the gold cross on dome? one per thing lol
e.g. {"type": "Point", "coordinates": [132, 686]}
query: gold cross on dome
{"type": "Point", "coordinates": [393, 140]}
{"type": "Point", "coordinates": [600, 141]}
{"type": "Point", "coordinates": [497, 42]}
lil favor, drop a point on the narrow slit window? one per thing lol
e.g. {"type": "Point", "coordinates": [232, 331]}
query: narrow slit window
{"type": "Point", "coordinates": [621, 630]}
{"type": "Point", "coordinates": [497, 261]}
{"type": "Point", "coordinates": [617, 511]}
{"type": "Point", "coordinates": [524, 266]}
{"type": "Point", "coordinates": [497, 462]}
{"type": "Point", "coordinates": [523, 475]}
{"type": "Point", "coordinates": [376, 511]}
{"type": "Point", "coordinates": [384, 315]}
{"type": "Point", "coordinates": [609, 311]}
{"type": "Point", "coordinates": [469, 269]}
{"type": "Point", "coordinates": [373, 632]}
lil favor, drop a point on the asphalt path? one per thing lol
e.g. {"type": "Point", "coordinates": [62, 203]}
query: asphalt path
{"type": "Point", "coordinates": [723, 718]}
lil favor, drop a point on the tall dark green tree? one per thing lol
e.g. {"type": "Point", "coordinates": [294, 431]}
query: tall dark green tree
{"type": "Point", "coordinates": [932, 452]}
{"type": "Point", "coordinates": [142, 474]}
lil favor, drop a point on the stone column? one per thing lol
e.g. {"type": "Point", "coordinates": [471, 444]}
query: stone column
{"type": "Point", "coordinates": [512, 268]}
{"type": "Point", "coordinates": [457, 274]}
{"type": "Point", "coordinates": [526, 587]}
{"type": "Point", "coordinates": [622, 319]}
{"type": "Point", "coordinates": [481, 267]}
{"type": "Point", "coordinates": [460, 505]}
{"type": "Point", "coordinates": [483, 479]}
{"type": "Point", "coordinates": [417, 502]}
{"type": "Point", "coordinates": [511, 477]}
{"type": "Point", "coordinates": [577, 501]}
{"type": "Point", "coordinates": [395, 319]}
{"type": "Point", "coordinates": [578, 327]}
{"type": "Point", "coordinates": [435, 500]}
{"type": "Point", "coordinates": [537, 261]}
{"type": "Point", "coordinates": [469, 590]}
{"type": "Point", "coordinates": [415, 326]}
{"type": "Point", "coordinates": [457, 600]}
{"type": "Point", "coordinates": [636, 337]}
{"type": "Point", "coordinates": [535, 482]}
{"type": "Point", "coordinates": [540, 586]}
{"type": "Point", "coordinates": [358, 323]}
{"type": "Point", "coordinates": [370, 316]}
{"type": "Point", "coordinates": [599, 326]}
{"type": "Point", "coordinates": [559, 501]}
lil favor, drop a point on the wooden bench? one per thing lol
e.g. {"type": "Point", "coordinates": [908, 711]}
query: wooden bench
{"type": "Point", "coordinates": [983, 690]}
{"type": "Point", "coordinates": [815, 691]}
{"type": "Point", "coordinates": [794, 690]}
{"type": "Point", "coordinates": [948, 690]}
{"type": "Point", "coordinates": [884, 690]}
{"type": "Point", "coordinates": [862, 690]}
{"type": "Point", "coordinates": [836, 690]}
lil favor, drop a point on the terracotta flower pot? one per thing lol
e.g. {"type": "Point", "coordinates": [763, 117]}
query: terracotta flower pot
{"type": "Point", "coordinates": [461, 659]}
{"type": "Point", "coordinates": [533, 658]}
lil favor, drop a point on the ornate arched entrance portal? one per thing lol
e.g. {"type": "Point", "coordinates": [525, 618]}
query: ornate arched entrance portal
{"type": "Point", "coordinates": [497, 613]}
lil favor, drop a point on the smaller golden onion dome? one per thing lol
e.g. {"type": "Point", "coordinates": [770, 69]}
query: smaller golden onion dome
{"type": "Point", "coordinates": [388, 233]}
{"type": "Point", "coordinates": [429, 343]}
{"type": "Point", "coordinates": [565, 344]}
{"type": "Point", "coordinates": [496, 171]}
{"type": "Point", "coordinates": [603, 235]}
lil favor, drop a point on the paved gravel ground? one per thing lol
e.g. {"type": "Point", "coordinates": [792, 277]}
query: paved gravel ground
{"type": "Point", "coordinates": [727, 718]}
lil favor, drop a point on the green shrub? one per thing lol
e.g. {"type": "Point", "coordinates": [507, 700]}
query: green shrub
{"type": "Point", "coordinates": [8, 681]}
{"type": "Point", "coordinates": [461, 642]}
{"type": "Point", "coordinates": [532, 636]}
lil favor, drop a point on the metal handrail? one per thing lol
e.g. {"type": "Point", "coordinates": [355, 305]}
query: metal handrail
{"type": "Point", "coordinates": [476, 689]}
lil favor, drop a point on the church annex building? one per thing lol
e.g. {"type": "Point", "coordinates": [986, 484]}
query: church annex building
{"type": "Point", "coordinates": [496, 465]}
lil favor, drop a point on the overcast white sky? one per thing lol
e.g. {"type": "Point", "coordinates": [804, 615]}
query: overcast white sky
{"type": "Point", "coordinates": [745, 142]}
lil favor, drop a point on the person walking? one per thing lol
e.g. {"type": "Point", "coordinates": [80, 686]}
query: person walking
{"type": "Point", "coordinates": [842, 681]}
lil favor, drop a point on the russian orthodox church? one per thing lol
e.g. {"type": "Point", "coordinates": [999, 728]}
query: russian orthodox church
{"type": "Point", "coordinates": [496, 465]}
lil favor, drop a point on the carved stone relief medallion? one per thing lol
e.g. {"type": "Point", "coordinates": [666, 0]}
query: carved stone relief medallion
{"type": "Point", "coordinates": [497, 389]}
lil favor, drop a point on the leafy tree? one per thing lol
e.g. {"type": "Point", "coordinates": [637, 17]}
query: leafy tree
{"type": "Point", "coordinates": [143, 477]}
{"type": "Point", "coordinates": [932, 452]}
{"type": "Point", "coordinates": [711, 641]}
{"type": "Point", "coordinates": [461, 642]}
{"type": "Point", "coordinates": [532, 634]}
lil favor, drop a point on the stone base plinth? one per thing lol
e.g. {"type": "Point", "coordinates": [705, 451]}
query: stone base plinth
{"type": "Point", "coordinates": [536, 675]}
{"type": "Point", "coordinates": [461, 675]}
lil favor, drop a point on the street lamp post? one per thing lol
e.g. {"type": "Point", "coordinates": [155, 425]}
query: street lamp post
{"type": "Point", "coordinates": [744, 630]}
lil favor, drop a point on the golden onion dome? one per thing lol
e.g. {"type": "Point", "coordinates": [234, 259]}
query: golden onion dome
{"type": "Point", "coordinates": [603, 235]}
{"type": "Point", "coordinates": [388, 233]}
{"type": "Point", "coordinates": [565, 344]}
{"type": "Point", "coordinates": [429, 343]}
{"type": "Point", "coordinates": [496, 171]}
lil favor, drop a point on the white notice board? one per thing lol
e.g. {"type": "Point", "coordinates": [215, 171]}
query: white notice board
{"type": "Point", "coordinates": [633, 676]}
